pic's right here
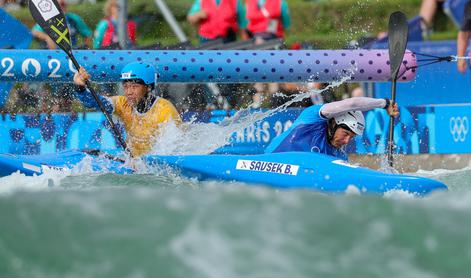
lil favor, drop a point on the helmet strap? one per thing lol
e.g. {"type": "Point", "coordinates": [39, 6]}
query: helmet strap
{"type": "Point", "coordinates": [146, 103]}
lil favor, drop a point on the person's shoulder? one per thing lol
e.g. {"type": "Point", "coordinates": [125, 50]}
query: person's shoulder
{"type": "Point", "coordinates": [165, 102]}
{"type": "Point", "coordinates": [313, 109]}
{"type": "Point", "coordinates": [73, 16]}
{"type": "Point", "coordinates": [119, 100]}
{"type": "Point", "coordinates": [102, 22]}
{"type": "Point", "coordinates": [36, 27]}
{"type": "Point", "coordinates": [101, 26]}
{"type": "Point", "coordinates": [311, 114]}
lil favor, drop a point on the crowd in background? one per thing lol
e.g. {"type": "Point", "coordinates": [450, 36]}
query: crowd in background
{"type": "Point", "coordinates": [225, 20]}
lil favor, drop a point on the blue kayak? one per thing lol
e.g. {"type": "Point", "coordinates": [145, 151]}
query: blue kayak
{"type": "Point", "coordinates": [36, 164]}
{"type": "Point", "coordinates": [290, 170]}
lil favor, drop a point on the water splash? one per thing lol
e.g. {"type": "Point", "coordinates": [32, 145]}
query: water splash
{"type": "Point", "coordinates": [204, 138]}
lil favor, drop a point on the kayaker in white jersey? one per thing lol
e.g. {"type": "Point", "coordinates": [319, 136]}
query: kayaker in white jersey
{"type": "Point", "coordinates": [329, 128]}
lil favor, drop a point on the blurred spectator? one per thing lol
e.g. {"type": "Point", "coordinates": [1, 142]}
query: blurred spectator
{"type": "Point", "coordinates": [289, 91]}
{"type": "Point", "coordinates": [27, 100]}
{"type": "Point", "coordinates": [463, 38]}
{"type": "Point", "coordinates": [58, 97]}
{"type": "Point", "coordinates": [358, 92]}
{"type": "Point", "coordinates": [9, 5]}
{"type": "Point", "coordinates": [267, 19]}
{"type": "Point", "coordinates": [106, 36]}
{"type": "Point", "coordinates": [315, 94]}
{"type": "Point", "coordinates": [106, 32]}
{"type": "Point", "coordinates": [76, 27]}
{"type": "Point", "coordinates": [218, 19]}
{"type": "Point", "coordinates": [427, 12]}
{"type": "Point", "coordinates": [263, 93]}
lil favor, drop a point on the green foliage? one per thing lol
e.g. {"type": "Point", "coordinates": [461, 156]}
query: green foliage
{"type": "Point", "coordinates": [325, 23]}
{"type": "Point", "coordinates": [331, 24]}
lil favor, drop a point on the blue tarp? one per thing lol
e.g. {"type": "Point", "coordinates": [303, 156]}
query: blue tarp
{"type": "Point", "coordinates": [419, 130]}
{"type": "Point", "coordinates": [439, 83]}
{"type": "Point", "coordinates": [455, 10]}
{"type": "Point", "coordinates": [13, 35]}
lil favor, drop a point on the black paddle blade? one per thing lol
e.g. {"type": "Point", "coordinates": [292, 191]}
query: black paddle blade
{"type": "Point", "coordinates": [398, 32]}
{"type": "Point", "coordinates": [48, 14]}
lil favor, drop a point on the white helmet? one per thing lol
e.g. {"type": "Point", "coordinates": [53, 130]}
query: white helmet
{"type": "Point", "coordinates": [354, 120]}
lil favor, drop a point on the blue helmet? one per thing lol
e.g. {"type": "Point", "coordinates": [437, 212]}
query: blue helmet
{"type": "Point", "coordinates": [139, 70]}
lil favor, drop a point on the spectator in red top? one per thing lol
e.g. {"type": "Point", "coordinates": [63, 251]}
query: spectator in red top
{"type": "Point", "coordinates": [267, 19]}
{"type": "Point", "coordinates": [106, 33]}
{"type": "Point", "coordinates": [217, 19]}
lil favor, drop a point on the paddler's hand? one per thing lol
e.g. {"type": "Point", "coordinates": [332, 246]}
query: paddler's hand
{"type": "Point", "coordinates": [81, 77]}
{"type": "Point", "coordinates": [50, 43]}
{"type": "Point", "coordinates": [461, 63]}
{"type": "Point", "coordinates": [393, 110]}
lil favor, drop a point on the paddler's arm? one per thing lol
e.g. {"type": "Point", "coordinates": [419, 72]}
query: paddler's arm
{"type": "Point", "coordinates": [463, 38]}
{"type": "Point", "coordinates": [85, 96]}
{"type": "Point", "coordinates": [336, 108]}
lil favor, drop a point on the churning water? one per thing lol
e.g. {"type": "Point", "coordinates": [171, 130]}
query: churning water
{"type": "Point", "coordinates": [145, 225]}
{"type": "Point", "coordinates": [83, 224]}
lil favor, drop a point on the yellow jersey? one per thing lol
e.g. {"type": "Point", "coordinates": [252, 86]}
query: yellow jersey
{"type": "Point", "coordinates": [142, 128]}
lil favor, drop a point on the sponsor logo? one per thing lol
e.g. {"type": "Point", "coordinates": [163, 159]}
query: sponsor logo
{"type": "Point", "coordinates": [126, 75]}
{"type": "Point", "coordinates": [266, 166]}
{"type": "Point", "coordinates": [31, 67]}
{"type": "Point", "coordinates": [459, 127]}
{"type": "Point", "coordinates": [47, 9]}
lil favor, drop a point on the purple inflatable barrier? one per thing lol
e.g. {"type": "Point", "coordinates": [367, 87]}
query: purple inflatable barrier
{"type": "Point", "coordinates": [244, 66]}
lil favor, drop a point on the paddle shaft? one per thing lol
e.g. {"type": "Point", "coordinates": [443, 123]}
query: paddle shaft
{"type": "Point", "coordinates": [100, 104]}
{"type": "Point", "coordinates": [391, 124]}
{"type": "Point", "coordinates": [50, 16]}
{"type": "Point", "coordinates": [398, 33]}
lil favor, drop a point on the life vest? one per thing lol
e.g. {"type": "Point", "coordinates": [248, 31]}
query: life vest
{"type": "Point", "coordinates": [142, 128]}
{"type": "Point", "coordinates": [111, 37]}
{"type": "Point", "coordinates": [307, 134]}
{"type": "Point", "coordinates": [261, 18]}
{"type": "Point", "coordinates": [220, 18]}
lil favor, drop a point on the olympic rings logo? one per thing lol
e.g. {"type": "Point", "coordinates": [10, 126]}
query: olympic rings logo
{"type": "Point", "coordinates": [459, 127]}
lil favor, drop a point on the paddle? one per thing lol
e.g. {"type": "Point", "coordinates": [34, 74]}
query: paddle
{"type": "Point", "coordinates": [96, 152]}
{"type": "Point", "coordinates": [398, 31]}
{"type": "Point", "coordinates": [49, 15]}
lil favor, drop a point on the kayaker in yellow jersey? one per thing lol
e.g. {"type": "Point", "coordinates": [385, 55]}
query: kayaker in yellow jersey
{"type": "Point", "coordinates": [141, 112]}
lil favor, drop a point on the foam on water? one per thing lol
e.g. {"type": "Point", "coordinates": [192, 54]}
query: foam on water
{"type": "Point", "coordinates": [120, 225]}
{"type": "Point", "coordinates": [458, 180]}
{"type": "Point", "coordinates": [19, 182]}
